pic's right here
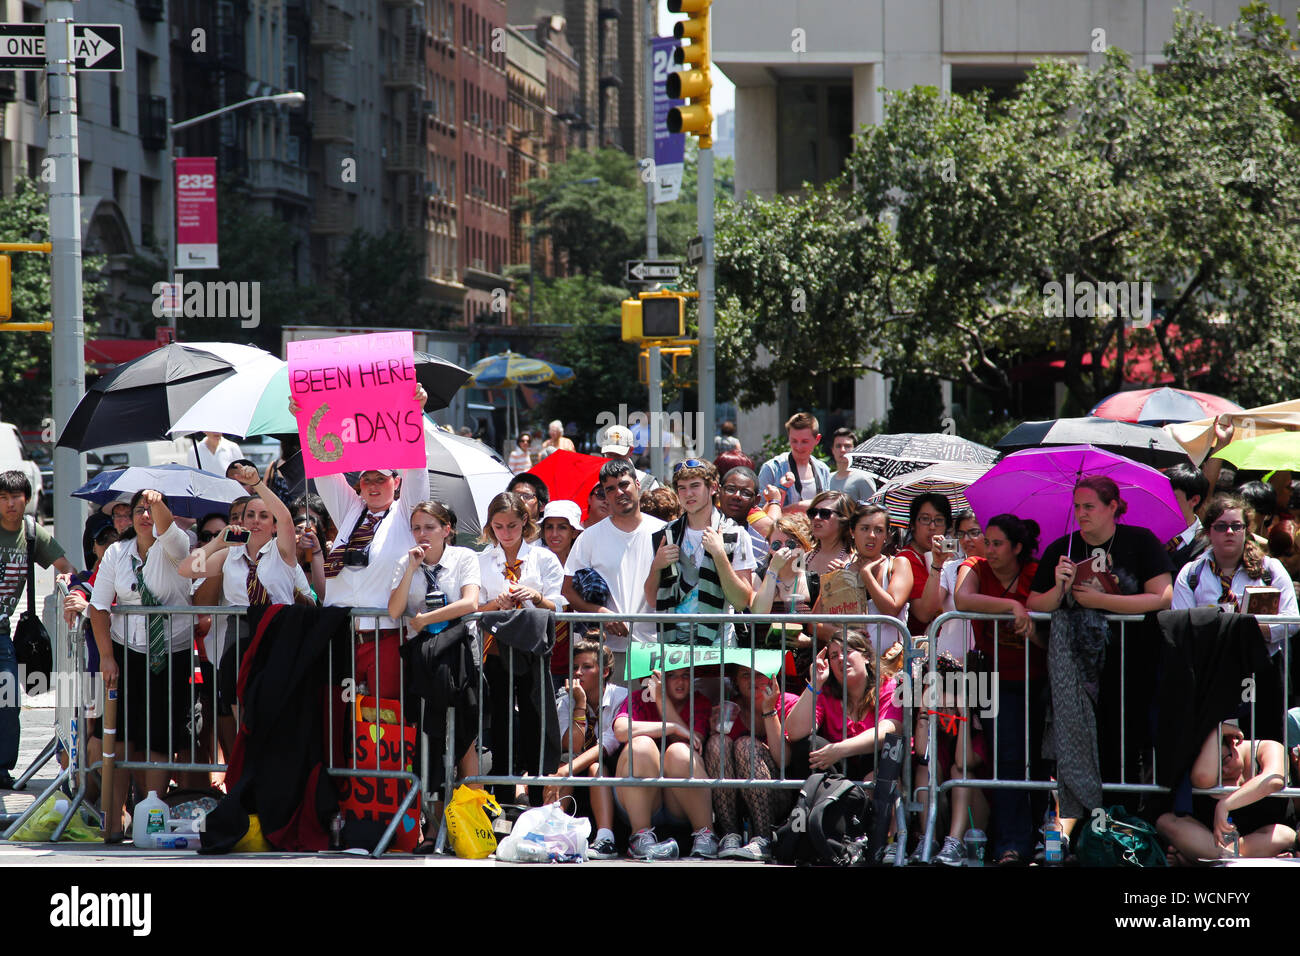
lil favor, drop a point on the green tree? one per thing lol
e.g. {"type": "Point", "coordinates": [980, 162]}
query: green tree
{"type": "Point", "coordinates": [377, 280]}
{"type": "Point", "coordinates": [25, 373]}
{"type": "Point", "coordinates": [934, 251]}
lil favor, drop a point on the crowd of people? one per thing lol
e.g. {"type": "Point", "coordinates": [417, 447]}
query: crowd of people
{"type": "Point", "coordinates": [732, 537]}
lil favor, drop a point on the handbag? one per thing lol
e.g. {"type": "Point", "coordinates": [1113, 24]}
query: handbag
{"type": "Point", "coordinates": [1119, 839]}
{"type": "Point", "coordinates": [31, 641]}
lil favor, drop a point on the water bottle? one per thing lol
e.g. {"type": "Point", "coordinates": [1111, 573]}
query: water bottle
{"type": "Point", "coordinates": [433, 601]}
{"type": "Point", "coordinates": [1234, 838]}
{"type": "Point", "coordinates": [149, 821]}
{"type": "Point", "coordinates": [1052, 851]}
{"type": "Point", "coordinates": [336, 831]}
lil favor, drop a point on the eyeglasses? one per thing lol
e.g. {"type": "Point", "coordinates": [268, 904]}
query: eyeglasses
{"type": "Point", "coordinates": [971, 535]}
{"type": "Point", "coordinates": [688, 463]}
{"type": "Point", "coordinates": [1223, 527]}
{"type": "Point", "coordinates": [140, 511]}
{"type": "Point", "coordinates": [599, 492]}
{"type": "Point", "coordinates": [526, 495]}
{"type": "Point", "coordinates": [826, 514]}
{"type": "Point", "coordinates": [932, 520]}
{"type": "Point", "coordinates": [782, 545]}
{"type": "Point", "coordinates": [743, 494]}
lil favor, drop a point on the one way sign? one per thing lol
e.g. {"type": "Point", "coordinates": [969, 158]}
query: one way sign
{"type": "Point", "coordinates": [651, 270]}
{"type": "Point", "coordinates": [95, 46]}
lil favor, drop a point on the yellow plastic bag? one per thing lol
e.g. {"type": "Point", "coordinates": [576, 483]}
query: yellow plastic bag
{"type": "Point", "coordinates": [253, 841]}
{"type": "Point", "coordinates": [468, 825]}
{"type": "Point", "coordinates": [39, 828]}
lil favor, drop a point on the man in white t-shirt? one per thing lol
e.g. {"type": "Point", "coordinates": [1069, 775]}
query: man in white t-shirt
{"type": "Point", "coordinates": [214, 454]}
{"type": "Point", "coordinates": [618, 549]}
{"type": "Point", "coordinates": [704, 562]}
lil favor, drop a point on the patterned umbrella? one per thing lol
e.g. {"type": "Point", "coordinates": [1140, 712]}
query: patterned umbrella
{"type": "Point", "coordinates": [949, 479]}
{"type": "Point", "coordinates": [886, 457]}
{"type": "Point", "coordinates": [1161, 406]}
{"type": "Point", "coordinates": [508, 369]}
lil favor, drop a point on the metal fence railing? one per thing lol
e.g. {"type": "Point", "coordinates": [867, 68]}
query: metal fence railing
{"type": "Point", "coordinates": [940, 695]}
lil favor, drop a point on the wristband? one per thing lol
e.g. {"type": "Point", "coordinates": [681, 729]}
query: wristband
{"type": "Point", "coordinates": [770, 713]}
{"type": "Point", "coordinates": [816, 692]}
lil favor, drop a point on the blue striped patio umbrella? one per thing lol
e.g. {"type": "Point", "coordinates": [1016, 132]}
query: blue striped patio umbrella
{"type": "Point", "coordinates": [510, 369]}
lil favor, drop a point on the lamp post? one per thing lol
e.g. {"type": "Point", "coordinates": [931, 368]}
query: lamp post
{"type": "Point", "coordinates": [293, 98]}
{"type": "Point", "coordinates": [532, 234]}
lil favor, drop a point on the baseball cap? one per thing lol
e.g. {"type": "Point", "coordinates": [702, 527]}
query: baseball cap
{"type": "Point", "coordinates": [618, 441]}
{"type": "Point", "coordinates": [563, 508]}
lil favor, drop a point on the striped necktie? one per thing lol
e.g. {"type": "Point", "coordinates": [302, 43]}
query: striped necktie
{"type": "Point", "coordinates": [362, 534]}
{"type": "Point", "coordinates": [156, 623]}
{"type": "Point", "coordinates": [1225, 584]}
{"type": "Point", "coordinates": [257, 593]}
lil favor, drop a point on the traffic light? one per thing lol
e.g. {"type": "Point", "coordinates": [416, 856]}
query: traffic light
{"type": "Point", "coordinates": [695, 83]}
{"type": "Point", "coordinates": [654, 317]}
{"type": "Point", "coordinates": [6, 289]}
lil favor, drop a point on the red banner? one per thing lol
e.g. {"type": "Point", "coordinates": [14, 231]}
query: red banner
{"type": "Point", "coordinates": [377, 798]}
{"type": "Point", "coordinates": [196, 212]}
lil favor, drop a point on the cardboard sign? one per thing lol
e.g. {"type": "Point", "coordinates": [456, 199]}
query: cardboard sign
{"type": "Point", "coordinates": [643, 658]}
{"type": "Point", "coordinates": [357, 399]}
{"type": "Point", "coordinates": [377, 798]}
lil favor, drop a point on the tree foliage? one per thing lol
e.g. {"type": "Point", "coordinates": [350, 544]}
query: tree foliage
{"type": "Point", "coordinates": [25, 373]}
{"type": "Point", "coordinates": [931, 253]}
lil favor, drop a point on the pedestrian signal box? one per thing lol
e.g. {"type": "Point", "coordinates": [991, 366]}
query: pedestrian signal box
{"type": "Point", "coordinates": [654, 317]}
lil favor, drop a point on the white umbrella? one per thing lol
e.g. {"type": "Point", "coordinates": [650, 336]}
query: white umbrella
{"type": "Point", "coordinates": [244, 404]}
{"type": "Point", "coordinates": [464, 474]}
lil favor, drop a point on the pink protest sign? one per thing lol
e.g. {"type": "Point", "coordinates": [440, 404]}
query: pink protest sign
{"type": "Point", "coordinates": [356, 395]}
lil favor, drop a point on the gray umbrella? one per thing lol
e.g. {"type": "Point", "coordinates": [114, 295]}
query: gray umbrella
{"type": "Point", "coordinates": [1142, 443]}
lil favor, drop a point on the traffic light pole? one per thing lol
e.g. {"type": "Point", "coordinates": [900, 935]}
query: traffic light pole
{"type": "Point", "coordinates": [704, 216]}
{"type": "Point", "coordinates": [653, 366]}
{"type": "Point", "coordinates": [68, 345]}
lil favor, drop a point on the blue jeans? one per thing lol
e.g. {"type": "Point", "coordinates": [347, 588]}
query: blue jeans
{"type": "Point", "coordinates": [10, 703]}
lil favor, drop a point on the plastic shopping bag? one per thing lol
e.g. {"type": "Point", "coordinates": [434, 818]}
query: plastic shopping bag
{"type": "Point", "coordinates": [39, 828]}
{"type": "Point", "coordinates": [546, 835]}
{"type": "Point", "coordinates": [468, 826]}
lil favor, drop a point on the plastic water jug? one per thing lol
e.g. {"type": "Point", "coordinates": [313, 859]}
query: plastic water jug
{"type": "Point", "coordinates": [149, 821]}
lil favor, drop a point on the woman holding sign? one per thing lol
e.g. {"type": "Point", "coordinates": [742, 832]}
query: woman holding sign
{"type": "Point", "coordinates": [374, 534]}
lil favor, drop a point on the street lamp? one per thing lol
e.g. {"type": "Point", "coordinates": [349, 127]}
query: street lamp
{"type": "Point", "coordinates": [293, 98]}
{"type": "Point", "coordinates": [532, 233]}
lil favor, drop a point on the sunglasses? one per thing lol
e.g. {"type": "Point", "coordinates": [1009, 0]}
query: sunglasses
{"type": "Point", "coordinates": [782, 545]}
{"type": "Point", "coordinates": [1223, 527]}
{"type": "Point", "coordinates": [688, 463]}
{"type": "Point", "coordinates": [826, 514]}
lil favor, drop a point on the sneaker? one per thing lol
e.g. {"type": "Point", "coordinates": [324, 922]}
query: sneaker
{"type": "Point", "coordinates": [6, 780]}
{"type": "Point", "coordinates": [644, 847]}
{"type": "Point", "coordinates": [731, 845]}
{"type": "Point", "coordinates": [757, 850]}
{"type": "Point", "coordinates": [705, 846]}
{"type": "Point", "coordinates": [915, 858]}
{"type": "Point", "coordinates": [886, 855]}
{"type": "Point", "coordinates": [952, 854]}
{"type": "Point", "coordinates": [604, 849]}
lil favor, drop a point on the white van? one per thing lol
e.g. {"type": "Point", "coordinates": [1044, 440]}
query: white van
{"type": "Point", "coordinates": [13, 455]}
{"type": "Point", "coordinates": [141, 453]}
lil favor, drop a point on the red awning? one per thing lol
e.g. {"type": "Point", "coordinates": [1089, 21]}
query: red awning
{"type": "Point", "coordinates": [117, 351]}
{"type": "Point", "coordinates": [1143, 364]}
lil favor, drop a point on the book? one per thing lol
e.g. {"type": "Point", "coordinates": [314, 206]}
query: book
{"type": "Point", "coordinates": [1085, 576]}
{"type": "Point", "coordinates": [1261, 600]}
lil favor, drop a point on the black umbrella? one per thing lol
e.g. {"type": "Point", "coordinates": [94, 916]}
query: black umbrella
{"type": "Point", "coordinates": [440, 378]}
{"type": "Point", "coordinates": [138, 401]}
{"type": "Point", "coordinates": [1142, 443]}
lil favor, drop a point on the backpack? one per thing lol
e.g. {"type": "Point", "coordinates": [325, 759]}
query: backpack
{"type": "Point", "coordinates": [828, 824]}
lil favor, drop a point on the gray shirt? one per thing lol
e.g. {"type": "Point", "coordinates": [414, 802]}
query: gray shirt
{"type": "Point", "coordinates": [856, 484]}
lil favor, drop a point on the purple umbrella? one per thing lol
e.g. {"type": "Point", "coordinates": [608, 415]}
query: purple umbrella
{"type": "Point", "coordinates": [1039, 483]}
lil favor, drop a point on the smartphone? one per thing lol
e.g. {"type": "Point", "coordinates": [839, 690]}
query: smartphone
{"type": "Point", "coordinates": [236, 537]}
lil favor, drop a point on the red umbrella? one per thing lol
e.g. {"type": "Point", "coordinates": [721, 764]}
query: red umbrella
{"type": "Point", "coordinates": [1159, 406]}
{"type": "Point", "coordinates": [569, 474]}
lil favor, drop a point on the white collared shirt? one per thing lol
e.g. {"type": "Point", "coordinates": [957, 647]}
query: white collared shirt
{"type": "Point", "coordinates": [541, 570]}
{"type": "Point", "coordinates": [1208, 590]}
{"type": "Point", "coordinates": [609, 705]}
{"type": "Point", "coordinates": [372, 585]}
{"type": "Point", "coordinates": [459, 569]}
{"type": "Point", "coordinates": [1188, 534]}
{"type": "Point", "coordinates": [273, 572]}
{"type": "Point", "coordinates": [116, 582]}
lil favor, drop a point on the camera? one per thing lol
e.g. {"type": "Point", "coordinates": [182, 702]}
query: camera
{"type": "Point", "coordinates": [435, 600]}
{"type": "Point", "coordinates": [356, 559]}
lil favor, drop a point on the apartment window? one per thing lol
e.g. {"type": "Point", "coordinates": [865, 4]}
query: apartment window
{"type": "Point", "coordinates": [114, 102]}
{"type": "Point", "coordinates": [148, 209]}
{"type": "Point", "coordinates": [35, 159]}
{"type": "Point", "coordinates": [291, 62]}
{"type": "Point", "coordinates": [814, 131]}
{"type": "Point", "coordinates": [119, 188]}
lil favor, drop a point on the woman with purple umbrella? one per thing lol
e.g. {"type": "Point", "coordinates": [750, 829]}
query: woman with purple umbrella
{"type": "Point", "coordinates": [1114, 569]}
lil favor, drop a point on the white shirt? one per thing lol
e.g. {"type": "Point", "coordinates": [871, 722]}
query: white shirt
{"type": "Point", "coordinates": [519, 461]}
{"type": "Point", "coordinates": [609, 705]}
{"type": "Point", "coordinates": [742, 559]}
{"type": "Point", "coordinates": [116, 581]}
{"type": "Point", "coordinates": [459, 569]}
{"type": "Point", "coordinates": [1188, 534]}
{"type": "Point", "coordinates": [214, 462]}
{"type": "Point", "coordinates": [1208, 590]}
{"type": "Point", "coordinates": [955, 637]}
{"type": "Point", "coordinates": [372, 585]}
{"type": "Point", "coordinates": [541, 570]}
{"type": "Point", "coordinates": [276, 575]}
{"type": "Point", "coordinates": [623, 559]}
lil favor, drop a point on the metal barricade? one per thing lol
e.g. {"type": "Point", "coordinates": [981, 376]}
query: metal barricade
{"type": "Point", "coordinates": [665, 649]}
{"type": "Point", "coordinates": [933, 698]}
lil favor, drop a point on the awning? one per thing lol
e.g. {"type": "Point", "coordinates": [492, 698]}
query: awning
{"type": "Point", "coordinates": [1144, 365]}
{"type": "Point", "coordinates": [117, 351]}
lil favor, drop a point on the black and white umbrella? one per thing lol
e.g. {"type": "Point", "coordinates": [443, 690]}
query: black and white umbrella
{"type": "Point", "coordinates": [1141, 443]}
{"type": "Point", "coordinates": [465, 475]}
{"type": "Point", "coordinates": [886, 457]}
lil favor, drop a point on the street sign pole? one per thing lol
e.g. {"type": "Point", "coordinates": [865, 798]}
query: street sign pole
{"type": "Point", "coordinates": [68, 345]}
{"type": "Point", "coordinates": [708, 384]}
